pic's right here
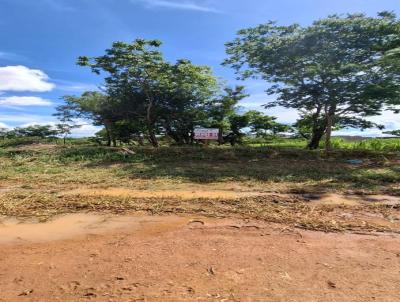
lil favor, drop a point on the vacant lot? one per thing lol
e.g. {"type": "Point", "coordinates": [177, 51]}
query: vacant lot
{"type": "Point", "coordinates": [209, 224]}
{"type": "Point", "coordinates": [297, 187]}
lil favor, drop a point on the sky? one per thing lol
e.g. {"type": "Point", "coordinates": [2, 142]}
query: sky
{"type": "Point", "coordinates": [41, 40]}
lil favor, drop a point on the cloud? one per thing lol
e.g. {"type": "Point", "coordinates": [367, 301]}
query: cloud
{"type": "Point", "coordinates": [389, 119]}
{"type": "Point", "coordinates": [373, 132]}
{"type": "Point", "coordinates": [16, 119]}
{"type": "Point", "coordinates": [24, 120]}
{"type": "Point", "coordinates": [179, 5]}
{"type": "Point", "coordinates": [69, 86]}
{"type": "Point", "coordinates": [9, 56]}
{"type": "Point", "coordinates": [255, 100]}
{"type": "Point", "coordinates": [24, 101]}
{"type": "Point", "coordinates": [21, 78]}
{"type": "Point", "coordinates": [3, 125]}
{"type": "Point", "coordinates": [85, 130]}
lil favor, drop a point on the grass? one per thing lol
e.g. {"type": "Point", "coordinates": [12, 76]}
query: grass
{"type": "Point", "coordinates": [291, 168]}
{"type": "Point", "coordinates": [35, 178]}
{"type": "Point", "coordinates": [367, 144]}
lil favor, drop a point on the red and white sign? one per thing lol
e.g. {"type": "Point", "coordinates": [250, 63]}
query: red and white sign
{"type": "Point", "coordinates": [206, 133]}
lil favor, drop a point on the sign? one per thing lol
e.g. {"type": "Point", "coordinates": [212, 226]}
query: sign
{"type": "Point", "coordinates": [206, 133]}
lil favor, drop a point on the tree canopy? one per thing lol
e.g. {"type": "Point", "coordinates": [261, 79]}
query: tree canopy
{"type": "Point", "coordinates": [145, 96]}
{"type": "Point", "coordinates": [332, 69]}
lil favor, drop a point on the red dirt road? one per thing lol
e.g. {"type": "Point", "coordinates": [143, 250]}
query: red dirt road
{"type": "Point", "coordinates": [173, 259]}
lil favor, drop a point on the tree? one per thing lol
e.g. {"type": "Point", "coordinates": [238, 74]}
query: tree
{"type": "Point", "coordinates": [161, 94]}
{"type": "Point", "coordinates": [393, 132]}
{"type": "Point", "coordinates": [132, 68]}
{"type": "Point", "coordinates": [307, 123]}
{"type": "Point", "coordinates": [67, 123]}
{"type": "Point", "coordinates": [330, 69]}
{"type": "Point", "coordinates": [263, 125]}
{"type": "Point", "coordinates": [65, 129]}
{"type": "Point", "coordinates": [41, 131]}
{"type": "Point", "coordinates": [183, 99]}
{"type": "Point", "coordinates": [223, 107]}
{"type": "Point", "coordinates": [4, 132]}
{"type": "Point", "coordinates": [95, 106]}
{"type": "Point", "coordinates": [237, 123]}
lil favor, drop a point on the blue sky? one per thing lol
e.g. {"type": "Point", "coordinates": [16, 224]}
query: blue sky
{"type": "Point", "coordinates": [41, 39]}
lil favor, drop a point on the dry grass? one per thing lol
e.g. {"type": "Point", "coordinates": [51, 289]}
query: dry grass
{"type": "Point", "coordinates": [293, 210]}
{"type": "Point", "coordinates": [256, 183]}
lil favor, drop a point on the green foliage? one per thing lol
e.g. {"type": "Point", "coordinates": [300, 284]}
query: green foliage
{"type": "Point", "coordinates": [264, 125]}
{"type": "Point", "coordinates": [69, 166]}
{"type": "Point", "coordinates": [330, 69]}
{"type": "Point", "coordinates": [41, 131]}
{"type": "Point", "coordinates": [147, 97]}
{"type": "Point", "coordinates": [142, 86]}
{"type": "Point", "coordinates": [393, 132]}
{"type": "Point", "coordinates": [373, 144]}
{"type": "Point", "coordinates": [22, 141]}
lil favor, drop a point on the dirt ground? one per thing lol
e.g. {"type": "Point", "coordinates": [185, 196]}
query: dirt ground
{"type": "Point", "coordinates": [79, 257]}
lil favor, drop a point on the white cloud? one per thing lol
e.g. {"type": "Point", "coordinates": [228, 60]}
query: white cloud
{"type": "Point", "coordinates": [373, 132]}
{"type": "Point", "coordinates": [21, 78]}
{"type": "Point", "coordinates": [390, 120]}
{"type": "Point", "coordinates": [75, 86]}
{"type": "Point", "coordinates": [178, 4]}
{"type": "Point", "coordinates": [26, 118]}
{"type": "Point", "coordinates": [284, 115]}
{"type": "Point", "coordinates": [3, 125]}
{"type": "Point", "coordinates": [85, 130]}
{"type": "Point", "coordinates": [42, 123]}
{"type": "Point", "coordinates": [24, 101]}
{"type": "Point", "coordinates": [255, 100]}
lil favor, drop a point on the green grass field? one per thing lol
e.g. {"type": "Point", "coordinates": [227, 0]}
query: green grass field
{"type": "Point", "coordinates": [368, 144]}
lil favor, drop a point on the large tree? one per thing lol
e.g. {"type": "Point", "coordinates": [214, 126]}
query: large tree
{"type": "Point", "coordinates": [132, 68]}
{"type": "Point", "coordinates": [183, 99]}
{"type": "Point", "coordinates": [330, 69]}
{"type": "Point", "coordinates": [222, 108]}
{"type": "Point", "coordinates": [162, 94]}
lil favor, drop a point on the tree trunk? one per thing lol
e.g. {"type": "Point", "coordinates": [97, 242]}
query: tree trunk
{"type": "Point", "coordinates": [317, 135]}
{"type": "Point", "coordinates": [317, 130]}
{"type": "Point", "coordinates": [220, 136]}
{"type": "Point", "coordinates": [172, 134]}
{"type": "Point", "coordinates": [329, 124]}
{"type": "Point", "coordinates": [140, 140]}
{"type": "Point", "coordinates": [150, 125]}
{"type": "Point", "coordinates": [152, 138]}
{"type": "Point", "coordinates": [108, 133]}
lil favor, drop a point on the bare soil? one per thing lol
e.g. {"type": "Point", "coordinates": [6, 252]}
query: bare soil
{"type": "Point", "coordinates": [95, 257]}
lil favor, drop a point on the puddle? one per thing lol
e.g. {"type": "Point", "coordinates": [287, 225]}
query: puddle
{"type": "Point", "coordinates": [183, 194]}
{"type": "Point", "coordinates": [73, 225]}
